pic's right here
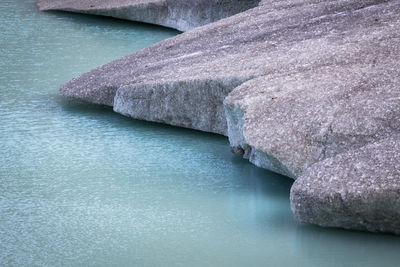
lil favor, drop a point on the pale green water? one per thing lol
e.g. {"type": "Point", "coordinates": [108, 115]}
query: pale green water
{"type": "Point", "coordinates": [83, 186]}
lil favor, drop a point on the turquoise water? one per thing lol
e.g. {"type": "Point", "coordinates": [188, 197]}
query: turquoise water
{"type": "Point", "coordinates": [83, 186]}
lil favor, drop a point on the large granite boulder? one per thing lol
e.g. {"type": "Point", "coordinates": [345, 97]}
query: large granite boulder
{"type": "Point", "coordinates": [293, 83]}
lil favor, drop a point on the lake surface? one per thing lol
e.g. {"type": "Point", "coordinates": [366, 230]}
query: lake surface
{"type": "Point", "coordinates": [83, 186]}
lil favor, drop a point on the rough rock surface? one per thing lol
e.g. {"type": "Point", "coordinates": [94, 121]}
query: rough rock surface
{"type": "Point", "coordinates": [182, 15]}
{"type": "Point", "coordinates": [359, 189]}
{"type": "Point", "coordinates": [307, 82]}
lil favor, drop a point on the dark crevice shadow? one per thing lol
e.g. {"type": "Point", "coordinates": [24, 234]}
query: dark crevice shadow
{"type": "Point", "coordinates": [107, 21]}
{"type": "Point", "coordinates": [102, 112]}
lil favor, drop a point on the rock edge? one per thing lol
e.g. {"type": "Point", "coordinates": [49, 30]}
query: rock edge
{"type": "Point", "coordinates": [310, 90]}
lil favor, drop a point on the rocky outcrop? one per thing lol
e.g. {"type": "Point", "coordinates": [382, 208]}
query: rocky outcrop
{"type": "Point", "coordinates": [305, 86]}
{"type": "Point", "coordinates": [359, 189]}
{"type": "Point", "coordinates": [192, 103]}
{"type": "Point", "coordinates": [288, 123]}
{"type": "Point", "coordinates": [182, 15]}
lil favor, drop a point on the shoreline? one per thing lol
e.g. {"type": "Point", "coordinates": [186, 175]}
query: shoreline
{"type": "Point", "coordinates": [292, 87]}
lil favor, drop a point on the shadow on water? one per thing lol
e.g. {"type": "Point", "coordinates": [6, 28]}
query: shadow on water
{"type": "Point", "coordinates": [252, 188]}
{"type": "Point", "coordinates": [88, 20]}
{"type": "Point", "coordinates": [106, 113]}
{"type": "Point", "coordinates": [253, 180]}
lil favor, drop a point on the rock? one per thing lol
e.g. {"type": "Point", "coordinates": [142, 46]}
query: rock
{"type": "Point", "coordinates": [359, 189]}
{"type": "Point", "coordinates": [304, 81]}
{"type": "Point", "coordinates": [195, 104]}
{"type": "Point", "coordinates": [286, 124]}
{"type": "Point", "coordinates": [182, 15]}
{"type": "Point", "coordinates": [316, 98]}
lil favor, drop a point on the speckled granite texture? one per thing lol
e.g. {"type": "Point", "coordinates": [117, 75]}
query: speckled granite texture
{"type": "Point", "coordinates": [306, 88]}
{"type": "Point", "coordinates": [359, 189]}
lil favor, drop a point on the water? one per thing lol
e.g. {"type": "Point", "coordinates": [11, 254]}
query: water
{"type": "Point", "coordinates": [83, 186]}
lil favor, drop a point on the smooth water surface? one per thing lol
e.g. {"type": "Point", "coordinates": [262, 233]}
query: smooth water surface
{"type": "Point", "coordinates": [83, 186]}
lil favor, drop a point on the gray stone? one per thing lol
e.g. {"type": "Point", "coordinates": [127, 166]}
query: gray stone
{"type": "Point", "coordinates": [359, 189]}
{"type": "Point", "coordinates": [195, 104]}
{"type": "Point", "coordinates": [288, 123]}
{"type": "Point", "coordinates": [304, 81]}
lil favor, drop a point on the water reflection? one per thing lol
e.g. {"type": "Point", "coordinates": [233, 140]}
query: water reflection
{"type": "Point", "coordinates": [349, 248]}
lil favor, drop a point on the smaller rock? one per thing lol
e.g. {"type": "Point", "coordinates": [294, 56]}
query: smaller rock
{"type": "Point", "coordinates": [359, 189]}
